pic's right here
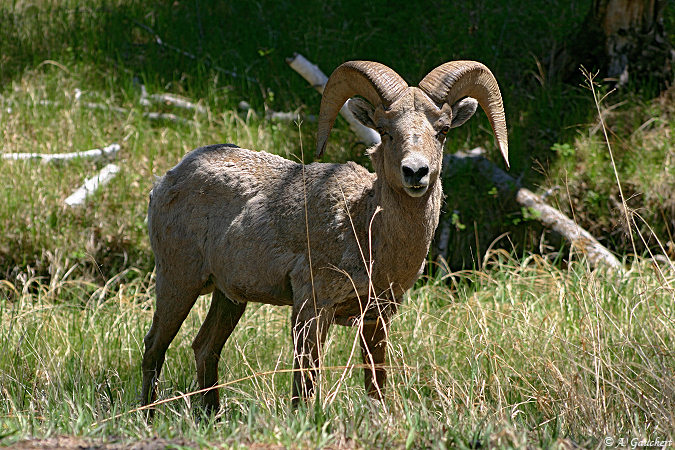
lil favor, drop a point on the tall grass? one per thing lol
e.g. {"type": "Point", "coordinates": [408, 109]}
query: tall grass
{"type": "Point", "coordinates": [109, 234]}
{"type": "Point", "coordinates": [522, 353]}
{"type": "Point", "coordinates": [107, 49]}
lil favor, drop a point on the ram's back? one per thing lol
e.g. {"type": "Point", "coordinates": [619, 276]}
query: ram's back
{"type": "Point", "coordinates": [242, 220]}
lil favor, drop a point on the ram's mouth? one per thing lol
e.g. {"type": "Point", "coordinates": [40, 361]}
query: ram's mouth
{"type": "Point", "coordinates": [417, 190]}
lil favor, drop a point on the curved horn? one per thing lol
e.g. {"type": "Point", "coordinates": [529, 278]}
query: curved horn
{"type": "Point", "coordinates": [454, 80]}
{"type": "Point", "coordinates": [376, 82]}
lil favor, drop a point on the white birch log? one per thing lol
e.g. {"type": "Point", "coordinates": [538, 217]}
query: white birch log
{"type": "Point", "coordinates": [169, 99]}
{"type": "Point", "coordinates": [318, 79]}
{"type": "Point", "coordinates": [177, 102]}
{"type": "Point", "coordinates": [164, 116]}
{"type": "Point", "coordinates": [279, 116]}
{"type": "Point", "coordinates": [101, 106]}
{"type": "Point", "coordinates": [97, 153]}
{"type": "Point", "coordinates": [160, 98]}
{"type": "Point", "coordinates": [104, 107]}
{"type": "Point", "coordinates": [310, 72]}
{"type": "Point", "coordinates": [92, 184]}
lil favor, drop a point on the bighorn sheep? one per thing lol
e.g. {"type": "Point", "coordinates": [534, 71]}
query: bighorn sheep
{"type": "Point", "coordinates": [336, 242]}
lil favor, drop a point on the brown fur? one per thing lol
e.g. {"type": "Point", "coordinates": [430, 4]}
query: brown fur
{"type": "Point", "coordinates": [239, 222]}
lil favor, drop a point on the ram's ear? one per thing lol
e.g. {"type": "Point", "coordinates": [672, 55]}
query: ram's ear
{"type": "Point", "coordinates": [463, 110]}
{"type": "Point", "coordinates": [362, 110]}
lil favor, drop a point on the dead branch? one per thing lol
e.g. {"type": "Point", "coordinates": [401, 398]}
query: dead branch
{"type": "Point", "coordinates": [279, 116]}
{"type": "Point", "coordinates": [318, 79]}
{"type": "Point", "coordinates": [164, 116]}
{"type": "Point", "coordinates": [90, 185]}
{"type": "Point", "coordinates": [102, 106]}
{"type": "Point", "coordinates": [550, 217]}
{"type": "Point", "coordinates": [97, 153]}
{"type": "Point", "coordinates": [169, 99]}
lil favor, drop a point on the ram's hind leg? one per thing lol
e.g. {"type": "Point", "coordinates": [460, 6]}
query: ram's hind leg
{"type": "Point", "coordinates": [221, 320]}
{"type": "Point", "coordinates": [373, 351]}
{"type": "Point", "coordinates": [310, 328]}
{"type": "Point", "coordinates": [174, 301]}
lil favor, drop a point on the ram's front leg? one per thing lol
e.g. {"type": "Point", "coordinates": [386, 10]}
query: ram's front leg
{"type": "Point", "coordinates": [309, 329]}
{"type": "Point", "coordinates": [373, 350]}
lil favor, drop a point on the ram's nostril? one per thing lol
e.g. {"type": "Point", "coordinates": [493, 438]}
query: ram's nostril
{"type": "Point", "coordinates": [415, 170]}
{"type": "Point", "coordinates": [408, 172]}
{"type": "Point", "coordinates": [414, 175]}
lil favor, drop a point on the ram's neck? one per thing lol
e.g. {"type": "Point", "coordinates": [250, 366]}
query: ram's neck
{"type": "Point", "coordinates": [401, 234]}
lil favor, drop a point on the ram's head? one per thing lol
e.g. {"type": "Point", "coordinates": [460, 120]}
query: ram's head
{"type": "Point", "coordinates": [412, 121]}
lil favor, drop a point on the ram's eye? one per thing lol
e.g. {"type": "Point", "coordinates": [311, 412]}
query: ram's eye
{"type": "Point", "coordinates": [382, 131]}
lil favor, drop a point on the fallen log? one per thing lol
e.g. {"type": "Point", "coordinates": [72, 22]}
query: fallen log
{"type": "Point", "coordinates": [102, 106]}
{"type": "Point", "coordinates": [164, 116]}
{"type": "Point", "coordinates": [507, 186]}
{"type": "Point", "coordinates": [90, 185]}
{"type": "Point", "coordinates": [279, 116]}
{"type": "Point", "coordinates": [144, 101]}
{"type": "Point", "coordinates": [97, 153]}
{"type": "Point", "coordinates": [169, 99]}
{"type": "Point", "coordinates": [551, 218]}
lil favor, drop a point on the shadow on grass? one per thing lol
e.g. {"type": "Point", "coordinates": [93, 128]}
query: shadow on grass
{"type": "Point", "coordinates": [226, 52]}
{"type": "Point", "coordinates": [233, 51]}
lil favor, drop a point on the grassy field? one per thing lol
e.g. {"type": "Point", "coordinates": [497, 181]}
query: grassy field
{"type": "Point", "coordinates": [521, 353]}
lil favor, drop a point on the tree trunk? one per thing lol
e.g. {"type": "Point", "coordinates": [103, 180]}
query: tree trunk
{"type": "Point", "coordinates": [623, 39]}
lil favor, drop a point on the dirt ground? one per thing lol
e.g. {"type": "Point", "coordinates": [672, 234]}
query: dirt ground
{"type": "Point", "coordinates": [72, 442]}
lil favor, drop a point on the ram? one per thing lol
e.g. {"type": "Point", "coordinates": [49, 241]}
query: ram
{"type": "Point", "coordinates": [334, 241]}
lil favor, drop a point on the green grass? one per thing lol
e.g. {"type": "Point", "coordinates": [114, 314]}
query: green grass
{"type": "Point", "coordinates": [522, 353]}
{"type": "Point", "coordinates": [107, 49]}
{"type": "Point", "coordinates": [109, 234]}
